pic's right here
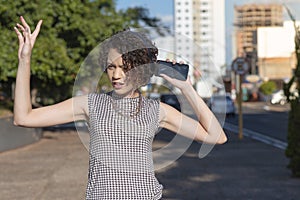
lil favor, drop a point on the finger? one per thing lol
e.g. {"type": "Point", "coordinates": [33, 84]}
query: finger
{"type": "Point", "coordinates": [24, 23]}
{"type": "Point", "coordinates": [17, 31]}
{"type": "Point", "coordinates": [20, 37]}
{"type": "Point", "coordinates": [20, 27]}
{"type": "Point", "coordinates": [37, 28]}
{"type": "Point", "coordinates": [26, 34]}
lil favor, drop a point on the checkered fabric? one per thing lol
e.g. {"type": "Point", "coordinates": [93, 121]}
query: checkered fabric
{"type": "Point", "coordinates": [121, 136]}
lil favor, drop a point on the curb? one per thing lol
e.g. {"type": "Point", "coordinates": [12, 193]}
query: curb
{"type": "Point", "coordinates": [256, 136]}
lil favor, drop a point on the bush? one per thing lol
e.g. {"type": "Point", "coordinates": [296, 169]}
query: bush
{"type": "Point", "coordinates": [268, 87]}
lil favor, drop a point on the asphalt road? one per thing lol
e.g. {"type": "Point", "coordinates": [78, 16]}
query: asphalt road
{"type": "Point", "coordinates": [56, 167]}
{"type": "Point", "coordinates": [269, 120]}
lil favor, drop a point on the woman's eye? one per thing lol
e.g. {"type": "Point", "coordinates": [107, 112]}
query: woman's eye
{"type": "Point", "coordinates": [110, 67]}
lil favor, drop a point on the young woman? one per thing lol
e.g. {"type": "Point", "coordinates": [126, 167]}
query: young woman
{"type": "Point", "coordinates": [122, 123]}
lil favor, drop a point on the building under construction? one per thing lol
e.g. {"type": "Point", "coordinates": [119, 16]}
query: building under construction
{"type": "Point", "coordinates": [247, 19]}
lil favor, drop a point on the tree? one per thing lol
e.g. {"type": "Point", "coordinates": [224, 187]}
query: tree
{"type": "Point", "coordinates": [70, 30]}
{"type": "Point", "coordinates": [293, 148]}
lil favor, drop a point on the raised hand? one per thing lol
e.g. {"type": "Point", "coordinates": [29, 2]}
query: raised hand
{"type": "Point", "coordinates": [175, 82]}
{"type": "Point", "coordinates": [26, 38]}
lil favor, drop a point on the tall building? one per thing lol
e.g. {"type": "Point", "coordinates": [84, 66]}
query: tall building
{"type": "Point", "coordinates": [200, 35]}
{"type": "Point", "coordinates": [248, 18]}
{"type": "Point", "coordinates": [184, 30]}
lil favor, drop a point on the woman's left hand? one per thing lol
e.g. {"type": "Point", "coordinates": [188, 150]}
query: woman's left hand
{"type": "Point", "coordinates": [177, 83]}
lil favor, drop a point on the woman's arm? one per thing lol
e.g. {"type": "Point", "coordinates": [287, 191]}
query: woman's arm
{"type": "Point", "coordinates": [24, 115]}
{"type": "Point", "coordinates": [207, 129]}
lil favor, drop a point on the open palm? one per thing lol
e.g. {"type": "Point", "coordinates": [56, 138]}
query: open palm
{"type": "Point", "coordinates": [26, 38]}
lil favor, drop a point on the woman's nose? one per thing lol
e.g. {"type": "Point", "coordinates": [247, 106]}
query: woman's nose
{"type": "Point", "coordinates": [118, 73]}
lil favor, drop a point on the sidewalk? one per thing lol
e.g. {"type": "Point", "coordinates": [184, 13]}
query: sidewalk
{"type": "Point", "coordinates": [56, 168]}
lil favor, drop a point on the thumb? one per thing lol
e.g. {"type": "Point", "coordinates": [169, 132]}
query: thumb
{"type": "Point", "coordinates": [166, 77]}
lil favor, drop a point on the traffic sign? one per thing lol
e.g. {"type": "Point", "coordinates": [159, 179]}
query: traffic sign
{"type": "Point", "coordinates": [240, 66]}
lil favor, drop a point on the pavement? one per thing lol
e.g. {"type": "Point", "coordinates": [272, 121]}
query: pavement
{"type": "Point", "coordinates": [56, 168]}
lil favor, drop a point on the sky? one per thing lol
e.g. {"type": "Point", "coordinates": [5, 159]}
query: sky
{"type": "Point", "coordinates": [164, 9]}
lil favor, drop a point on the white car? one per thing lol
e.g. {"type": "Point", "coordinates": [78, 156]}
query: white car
{"type": "Point", "coordinates": [278, 98]}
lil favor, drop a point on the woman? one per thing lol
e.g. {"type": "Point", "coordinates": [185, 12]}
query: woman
{"type": "Point", "coordinates": [122, 123]}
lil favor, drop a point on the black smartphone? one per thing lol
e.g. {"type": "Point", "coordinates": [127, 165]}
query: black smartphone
{"type": "Point", "coordinates": [177, 70]}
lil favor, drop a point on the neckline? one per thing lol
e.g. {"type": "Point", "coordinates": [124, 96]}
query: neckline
{"type": "Point", "coordinates": [133, 104]}
{"type": "Point", "coordinates": [115, 96]}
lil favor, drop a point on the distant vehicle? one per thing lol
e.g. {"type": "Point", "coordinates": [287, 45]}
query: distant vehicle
{"type": "Point", "coordinates": [171, 100]}
{"type": "Point", "coordinates": [154, 95]}
{"type": "Point", "coordinates": [222, 104]}
{"type": "Point", "coordinates": [278, 98]}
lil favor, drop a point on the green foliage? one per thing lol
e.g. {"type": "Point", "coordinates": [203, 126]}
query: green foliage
{"type": "Point", "coordinates": [268, 87]}
{"type": "Point", "coordinates": [70, 30]}
{"type": "Point", "coordinates": [293, 148]}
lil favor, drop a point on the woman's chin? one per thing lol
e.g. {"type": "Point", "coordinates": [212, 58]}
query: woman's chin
{"type": "Point", "coordinates": [124, 93]}
{"type": "Point", "coordinates": [120, 92]}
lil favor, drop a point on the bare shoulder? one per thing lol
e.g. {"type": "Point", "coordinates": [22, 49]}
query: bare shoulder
{"type": "Point", "coordinates": [168, 114]}
{"type": "Point", "coordinates": [80, 105]}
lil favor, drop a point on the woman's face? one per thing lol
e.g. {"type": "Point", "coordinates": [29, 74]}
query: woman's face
{"type": "Point", "coordinates": [117, 76]}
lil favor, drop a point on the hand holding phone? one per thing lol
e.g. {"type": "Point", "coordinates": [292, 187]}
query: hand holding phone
{"type": "Point", "coordinates": [178, 71]}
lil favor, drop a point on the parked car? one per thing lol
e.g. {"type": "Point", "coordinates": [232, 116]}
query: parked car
{"type": "Point", "coordinates": [171, 100]}
{"type": "Point", "coordinates": [222, 104]}
{"type": "Point", "coordinates": [154, 95]}
{"type": "Point", "coordinates": [278, 98]}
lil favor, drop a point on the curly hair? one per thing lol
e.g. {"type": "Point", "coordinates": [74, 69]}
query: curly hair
{"type": "Point", "coordinates": [138, 55]}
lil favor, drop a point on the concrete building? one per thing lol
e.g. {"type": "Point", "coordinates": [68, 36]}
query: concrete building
{"type": "Point", "coordinates": [276, 57]}
{"type": "Point", "coordinates": [200, 37]}
{"type": "Point", "coordinates": [247, 19]}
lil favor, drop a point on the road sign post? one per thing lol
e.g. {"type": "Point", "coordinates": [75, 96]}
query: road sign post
{"type": "Point", "coordinates": [240, 66]}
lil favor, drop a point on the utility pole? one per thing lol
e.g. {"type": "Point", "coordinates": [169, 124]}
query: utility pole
{"type": "Point", "coordinates": [240, 66]}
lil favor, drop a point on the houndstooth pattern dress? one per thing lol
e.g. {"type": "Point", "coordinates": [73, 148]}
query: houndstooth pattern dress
{"type": "Point", "coordinates": [121, 165]}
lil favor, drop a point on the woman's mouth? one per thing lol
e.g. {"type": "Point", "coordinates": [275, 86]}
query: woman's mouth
{"type": "Point", "coordinates": [118, 85]}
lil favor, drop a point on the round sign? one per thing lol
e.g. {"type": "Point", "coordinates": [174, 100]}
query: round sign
{"type": "Point", "coordinates": [240, 66]}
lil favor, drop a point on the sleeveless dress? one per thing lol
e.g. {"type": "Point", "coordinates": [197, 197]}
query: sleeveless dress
{"type": "Point", "coordinates": [121, 136]}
